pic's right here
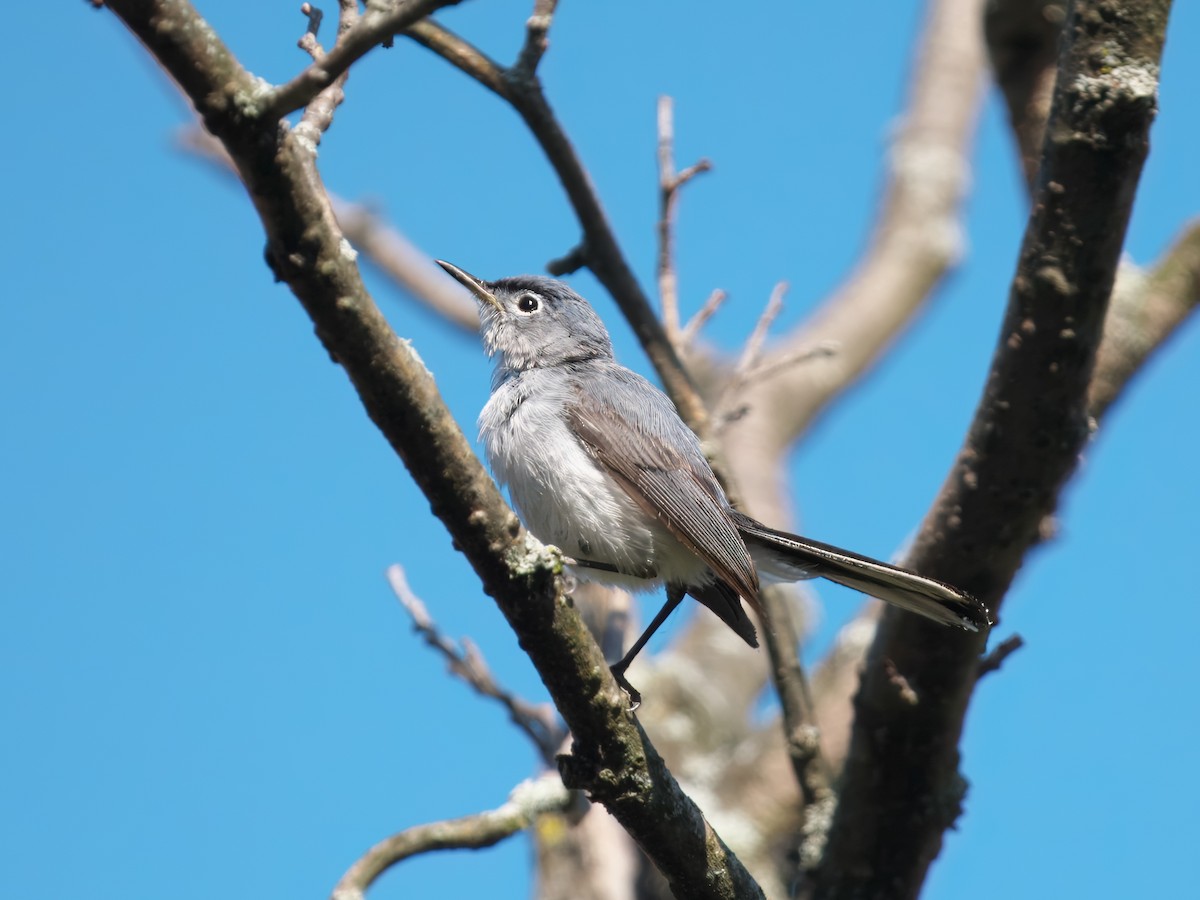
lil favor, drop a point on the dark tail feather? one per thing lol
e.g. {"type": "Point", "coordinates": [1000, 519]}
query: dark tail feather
{"type": "Point", "coordinates": [724, 601]}
{"type": "Point", "coordinates": [788, 557]}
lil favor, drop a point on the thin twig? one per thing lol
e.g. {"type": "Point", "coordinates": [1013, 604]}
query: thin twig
{"type": "Point", "coordinates": [538, 722]}
{"type": "Point", "coordinates": [917, 233]}
{"type": "Point", "coordinates": [691, 330]}
{"type": "Point", "coordinates": [795, 699]}
{"type": "Point", "coordinates": [570, 262]}
{"type": "Point", "coordinates": [778, 364]}
{"type": "Point", "coordinates": [1022, 41]}
{"type": "Point", "coordinates": [1144, 316]}
{"type": "Point", "coordinates": [537, 30]}
{"type": "Point", "coordinates": [411, 270]}
{"type": "Point", "coordinates": [669, 183]}
{"type": "Point", "coordinates": [314, 23]}
{"type": "Point", "coordinates": [998, 654]}
{"type": "Point", "coordinates": [405, 264]}
{"type": "Point", "coordinates": [528, 800]}
{"type": "Point", "coordinates": [374, 27]}
{"type": "Point", "coordinates": [318, 115]}
{"type": "Point", "coordinates": [724, 410]}
{"type": "Point", "coordinates": [668, 293]}
{"type": "Point", "coordinates": [754, 344]}
{"type": "Point", "coordinates": [915, 228]}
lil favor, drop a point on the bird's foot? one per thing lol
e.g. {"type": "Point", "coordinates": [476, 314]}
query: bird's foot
{"type": "Point", "coordinates": [635, 696]}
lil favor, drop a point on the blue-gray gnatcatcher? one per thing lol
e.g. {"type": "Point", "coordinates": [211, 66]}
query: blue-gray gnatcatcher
{"type": "Point", "coordinates": [598, 463]}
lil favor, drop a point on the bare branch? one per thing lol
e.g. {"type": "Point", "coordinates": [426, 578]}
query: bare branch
{"type": "Point", "coordinates": [611, 756]}
{"type": "Point", "coordinates": [318, 115]}
{"type": "Point", "coordinates": [599, 248]}
{"type": "Point", "coordinates": [569, 263]}
{"type": "Point", "coordinates": [347, 15]}
{"type": "Point", "coordinates": [752, 352]}
{"type": "Point", "coordinates": [1022, 42]}
{"type": "Point", "coordinates": [688, 335]}
{"type": "Point", "coordinates": [314, 26]}
{"type": "Point", "coordinates": [527, 801]}
{"type": "Point", "coordinates": [411, 270]}
{"type": "Point", "coordinates": [379, 23]}
{"type": "Point", "coordinates": [1140, 319]}
{"type": "Point", "coordinates": [836, 680]}
{"type": "Point", "coordinates": [800, 730]}
{"type": "Point", "coordinates": [537, 30]}
{"type": "Point", "coordinates": [998, 654]}
{"type": "Point", "coordinates": [461, 54]}
{"type": "Point", "coordinates": [196, 140]}
{"type": "Point", "coordinates": [669, 183]}
{"type": "Point", "coordinates": [610, 614]}
{"type": "Point", "coordinates": [724, 410]}
{"type": "Point", "coordinates": [405, 264]}
{"type": "Point", "coordinates": [586, 857]}
{"type": "Point", "coordinates": [916, 237]}
{"type": "Point", "coordinates": [1144, 316]}
{"type": "Point", "coordinates": [778, 364]}
{"type": "Point", "coordinates": [901, 787]}
{"type": "Point", "coordinates": [538, 722]}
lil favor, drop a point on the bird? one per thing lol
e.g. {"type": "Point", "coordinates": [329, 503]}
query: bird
{"type": "Point", "coordinates": [598, 463]}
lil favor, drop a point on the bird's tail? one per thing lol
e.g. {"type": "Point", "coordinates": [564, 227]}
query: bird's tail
{"type": "Point", "coordinates": [784, 557]}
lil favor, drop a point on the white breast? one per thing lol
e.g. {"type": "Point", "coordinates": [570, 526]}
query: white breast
{"type": "Point", "coordinates": [564, 498]}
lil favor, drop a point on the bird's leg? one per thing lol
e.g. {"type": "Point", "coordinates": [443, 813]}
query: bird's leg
{"type": "Point", "coordinates": [590, 564]}
{"type": "Point", "coordinates": [647, 573]}
{"type": "Point", "coordinates": [674, 598]}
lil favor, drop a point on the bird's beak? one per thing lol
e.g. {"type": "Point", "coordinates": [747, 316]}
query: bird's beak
{"type": "Point", "coordinates": [471, 283]}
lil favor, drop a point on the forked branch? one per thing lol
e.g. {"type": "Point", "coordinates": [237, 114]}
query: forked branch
{"type": "Point", "coordinates": [527, 801]}
{"type": "Point", "coordinates": [539, 723]}
{"type": "Point", "coordinates": [902, 787]}
{"type": "Point", "coordinates": [599, 250]}
{"type": "Point", "coordinates": [611, 757]}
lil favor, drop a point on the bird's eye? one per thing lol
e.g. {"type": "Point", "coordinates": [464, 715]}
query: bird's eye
{"type": "Point", "coordinates": [528, 303]}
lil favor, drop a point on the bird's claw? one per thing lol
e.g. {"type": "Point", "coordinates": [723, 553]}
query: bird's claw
{"type": "Point", "coordinates": [635, 696]}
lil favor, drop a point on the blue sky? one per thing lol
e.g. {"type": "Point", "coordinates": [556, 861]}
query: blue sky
{"type": "Point", "coordinates": [205, 682]}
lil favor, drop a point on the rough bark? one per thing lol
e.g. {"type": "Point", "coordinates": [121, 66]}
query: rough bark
{"type": "Point", "coordinates": [901, 786]}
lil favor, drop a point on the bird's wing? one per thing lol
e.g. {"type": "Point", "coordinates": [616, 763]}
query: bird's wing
{"type": "Point", "coordinates": [639, 440]}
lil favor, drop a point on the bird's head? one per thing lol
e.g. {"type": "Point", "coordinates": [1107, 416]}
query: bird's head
{"type": "Point", "coordinates": [532, 321]}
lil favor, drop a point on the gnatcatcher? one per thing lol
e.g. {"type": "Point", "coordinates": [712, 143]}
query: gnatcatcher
{"type": "Point", "coordinates": [598, 463]}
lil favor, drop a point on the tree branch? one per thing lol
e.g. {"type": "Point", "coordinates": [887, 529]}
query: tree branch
{"type": "Point", "coordinates": [691, 330]}
{"type": "Point", "coordinates": [318, 115]}
{"type": "Point", "coordinates": [1022, 42]}
{"type": "Point", "coordinates": [836, 680]}
{"type": "Point", "coordinates": [727, 408]}
{"type": "Point", "coordinates": [901, 784]}
{"type": "Point", "coordinates": [412, 271]}
{"type": "Point", "coordinates": [916, 239]}
{"type": "Point", "coordinates": [539, 723]}
{"type": "Point", "coordinates": [379, 23]}
{"type": "Point", "coordinates": [527, 801]}
{"type": "Point", "coordinates": [406, 265]}
{"type": "Point", "coordinates": [800, 730]}
{"type": "Point", "coordinates": [611, 757]}
{"type": "Point", "coordinates": [998, 654]}
{"type": "Point", "coordinates": [669, 184]}
{"type": "Point", "coordinates": [1143, 317]}
{"type": "Point", "coordinates": [519, 86]}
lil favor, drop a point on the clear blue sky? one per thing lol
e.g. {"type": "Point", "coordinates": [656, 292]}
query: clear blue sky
{"type": "Point", "coordinates": [206, 686]}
